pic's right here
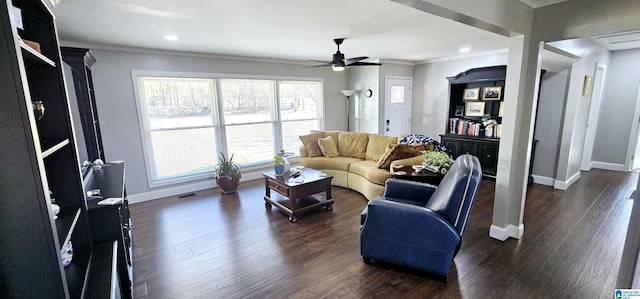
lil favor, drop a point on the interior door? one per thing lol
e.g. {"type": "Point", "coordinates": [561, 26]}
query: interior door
{"type": "Point", "coordinates": [397, 106]}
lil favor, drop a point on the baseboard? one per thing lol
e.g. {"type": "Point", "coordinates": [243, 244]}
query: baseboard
{"type": "Point", "coordinates": [564, 185]}
{"type": "Point", "coordinates": [608, 166]}
{"type": "Point", "coordinates": [182, 189]}
{"type": "Point", "coordinates": [543, 180]}
{"type": "Point", "coordinates": [511, 231]}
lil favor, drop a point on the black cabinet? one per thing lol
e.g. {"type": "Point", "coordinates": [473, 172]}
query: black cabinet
{"type": "Point", "coordinates": [111, 223]}
{"type": "Point", "coordinates": [486, 149]}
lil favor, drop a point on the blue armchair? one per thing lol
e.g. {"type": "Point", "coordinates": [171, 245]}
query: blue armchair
{"type": "Point", "coordinates": [420, 225]}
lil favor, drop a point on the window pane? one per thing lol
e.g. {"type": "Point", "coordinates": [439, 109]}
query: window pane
{"type": "Point", "coordinates": [299, 99]}
{"type": "Point", "coordinates": [292, 130]}
{"type": "Point", "coordinates": [246, 101]}
{"type": "Point", "coordinates": [182, 152]}
{"type": "Point", "coordinates": [397, 94]}
{"type": "Point", "coordinates": [250, 143]}
{"type": "Point", "coordinates": [177, 102]}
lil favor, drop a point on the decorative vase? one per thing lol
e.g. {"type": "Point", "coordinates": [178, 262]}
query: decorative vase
{"type": "Point", "coordinates": [279, 169]}
{"type": "Point", "coordinates": [227, 184]}
{"type": "Point", "coordinates": [488, 132]}
{"type": "Point", "coordinates": [56, 210]}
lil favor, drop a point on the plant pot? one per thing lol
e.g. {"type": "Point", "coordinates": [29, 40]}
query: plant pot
{"type": "Point", "coordinates": [279, 169]}
{"type": "Point", "coordinates": [227, 184]}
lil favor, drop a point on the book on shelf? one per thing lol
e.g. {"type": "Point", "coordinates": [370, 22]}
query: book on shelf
{"type": "Point", "coordinates": [464, 127]}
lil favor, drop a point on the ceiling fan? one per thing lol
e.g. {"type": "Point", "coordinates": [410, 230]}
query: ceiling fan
{"type": "Point", "coordinates": [338, 63]}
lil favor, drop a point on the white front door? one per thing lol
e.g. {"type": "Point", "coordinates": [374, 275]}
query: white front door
{"type": "Point", "coordinates": [397, 106]}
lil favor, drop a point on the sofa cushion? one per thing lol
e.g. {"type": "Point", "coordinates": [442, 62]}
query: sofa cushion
{"type": "Point", "coordinates": [333, 134]}
{"type": "Point", "coordinates": [377, 146]}
{"type": "Point", "coordinates": [328, 147]}
{"type": "Point", "coordinates": [337, 163]}
{"type": "Point", "coordinates": [353, 144]}
{"type": "Point", "coordinates": [401, 151]}
{"type": "Point", "coordinates": [370, 171]}
{"type": "Point", "coordinates": [310, 143]}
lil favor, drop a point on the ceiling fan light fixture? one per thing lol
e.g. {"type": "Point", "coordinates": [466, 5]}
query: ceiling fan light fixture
{"type": "Point", "coordinates": [338, 66]}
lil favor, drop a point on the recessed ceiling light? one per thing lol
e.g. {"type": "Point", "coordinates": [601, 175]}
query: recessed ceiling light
{"type": "Point", "coordinates": [170, 37]}
{"type": "Point", "coordinates": [464, 50]}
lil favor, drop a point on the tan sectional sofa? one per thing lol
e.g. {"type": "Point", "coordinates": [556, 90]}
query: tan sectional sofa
{"type": "Point", "coordinates": [358, 165]}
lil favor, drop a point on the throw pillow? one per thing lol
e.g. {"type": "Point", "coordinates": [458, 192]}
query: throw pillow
{"type": "Point", "coordinates": [401, 151]}
{"type": "Point", "coordinates": [377, 146]}
{"type": "Point", "coordinates": [310, 143]}
{"type": "Point", "coordinates": [328, 147]}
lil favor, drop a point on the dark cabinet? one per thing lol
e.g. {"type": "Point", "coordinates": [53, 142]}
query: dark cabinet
{"type": "Point", "coordinates": [111, 223]}
{"type": "Point", "coordinates": [486, 149]}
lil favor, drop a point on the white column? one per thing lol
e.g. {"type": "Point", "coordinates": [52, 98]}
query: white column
{"type": "Point", "coordinates": [520, 100]}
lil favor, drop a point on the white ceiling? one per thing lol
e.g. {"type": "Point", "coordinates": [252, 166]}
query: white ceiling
{"type": "Point", "coordinates": [280, 29]}
{"type": "Point", "coordinates": [283, 29]}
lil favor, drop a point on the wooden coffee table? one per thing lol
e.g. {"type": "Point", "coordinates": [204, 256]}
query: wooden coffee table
{"type": "Point", "coordinates": [294, 197]}
{"type": "Point", "coordinates": [425, 176]}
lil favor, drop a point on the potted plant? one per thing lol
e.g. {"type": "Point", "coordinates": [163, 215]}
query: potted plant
{"type": "Point", "coordinates": [436, 161]}
{"type": "Point", "coordinates": [278, 164]}
{"type": "Point", "coordinates": [227, 174]}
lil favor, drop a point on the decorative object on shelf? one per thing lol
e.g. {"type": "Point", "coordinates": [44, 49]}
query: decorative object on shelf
{"type": "Point", "coordinates": [492, 93]}
{"type": "Point", "coordinates": [500, 110]}
{"type": "Point", "coordinates": [278, 165]}
{"type": "Point", "coordinates": [368, 93]}
{"type": "Point", "coordinates": [459, 111]}
{"type": "Point", "coordinates": [488, 124]}
{"type": "Point", "coordinates": [471, 94]}
{"type": "Point", "coordinates": [586, 87]}
{"type": "Point", "coordinates": [97, 164]}
{"type": "Point", "coordinates": [38, 109]}
{"type": "Point", "coordinates": [436, 161]}
{"type": "Point", "coordinates": [54, 207]}
{"type": "Point", "coordinates": [348, 93]}
{"type": "Point", "coordinates": [66, 253]}
{"type": "Point", "coordinates": [227, 174]}
{"type": "Point", "coordinates": [474, 109]}
{"type": "Point", "coordinates": [32, 45]}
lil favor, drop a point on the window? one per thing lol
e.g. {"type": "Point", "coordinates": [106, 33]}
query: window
{"type": "Point", "coordinates": [300, 111]}
{"type": "Point", "coordinates": [185, 122]}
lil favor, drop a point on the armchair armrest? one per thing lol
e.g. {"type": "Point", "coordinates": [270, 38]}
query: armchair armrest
{"type": "Point", "coordinates": [410, 224]}
{"type": "Point", "coordinates": [409, 190]}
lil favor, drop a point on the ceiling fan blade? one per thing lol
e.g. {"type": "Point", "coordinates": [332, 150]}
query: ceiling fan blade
{"type": "Point", "coordinates": [359, 63]}
{"type": "Point", "coordinates": [320, 61]}
{"type": "Point", "coordinates": [356, 59]}
{"type": "Point", "coordinates": [318, 65]}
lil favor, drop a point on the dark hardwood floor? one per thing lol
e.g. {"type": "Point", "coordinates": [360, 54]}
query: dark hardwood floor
{"type": "Point", "coordinates": [214, 246]}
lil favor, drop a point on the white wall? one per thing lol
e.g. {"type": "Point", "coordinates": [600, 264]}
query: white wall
{"type": "Point", "coordinates": [117, 110]}
{"type": "Point", "coordinates": [577, 106]}
{"type": "Point", "coordinates": [365, 111]}
{"type": "Point", "coordinates": [617, 107]}
{"type": "Point", "coordinates": [431, 90]}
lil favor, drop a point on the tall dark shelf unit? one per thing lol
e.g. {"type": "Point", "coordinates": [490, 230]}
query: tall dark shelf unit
{"type": "Point", "coordinates": [39, 157]}
{"type": "Point", "coordinates": [80, 60]}
{"type": "Point", "coordinates": [485, 148]}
